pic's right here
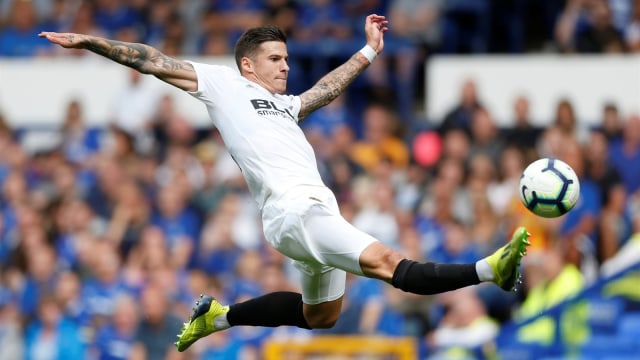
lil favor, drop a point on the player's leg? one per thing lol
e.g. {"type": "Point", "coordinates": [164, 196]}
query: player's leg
{"type": "Point", "coordinates": [350, 249]}
{"type": "Point", "coordinates": [502, 268]}
{"type": "Point", "coordinates": [270, 310]}
{"type": "Point", "coordinates": [318, 307]}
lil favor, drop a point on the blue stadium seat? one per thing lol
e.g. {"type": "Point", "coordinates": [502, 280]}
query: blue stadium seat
{"type": "Point", "coordinates": [604, 314]}
{"type": "Point", "coordinates": [629, 325]}
{"type": "Point", "coordinates": [608, 345]}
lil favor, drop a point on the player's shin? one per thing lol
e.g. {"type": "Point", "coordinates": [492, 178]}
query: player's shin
{"type": "Point", "coordinates": [270, 310]}
{"type": "Point", "coordinates": [431, 278]}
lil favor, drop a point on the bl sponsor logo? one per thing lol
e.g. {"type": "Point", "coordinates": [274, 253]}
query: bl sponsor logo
{"type": "Point", "coordinates": [266, 107]}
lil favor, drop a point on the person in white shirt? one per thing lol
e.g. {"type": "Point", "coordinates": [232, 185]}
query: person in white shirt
{"type": "Point", "coordinates": [258, 122]}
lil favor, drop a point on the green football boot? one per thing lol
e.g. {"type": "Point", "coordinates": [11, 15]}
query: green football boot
{"type": "Point", "coordinates": [201, 322]}
{"type": "Point", "coordinates": [505, 262]}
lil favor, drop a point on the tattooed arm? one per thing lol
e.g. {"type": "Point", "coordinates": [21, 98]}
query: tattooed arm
{"type": "Point", "coordinates": [334, 83]}
{"type": "Point", "coordinates": [141, 57]}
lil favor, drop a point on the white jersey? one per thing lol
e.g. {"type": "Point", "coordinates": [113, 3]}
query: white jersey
{"type": "Point", "coordinates": [260, 130]}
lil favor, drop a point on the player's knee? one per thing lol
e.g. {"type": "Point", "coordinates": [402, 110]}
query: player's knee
{"type": "Point", "coordinates": [379, 261]}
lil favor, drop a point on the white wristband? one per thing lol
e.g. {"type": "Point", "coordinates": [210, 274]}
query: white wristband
{"type": "Point", "coordinates": [369, 52]}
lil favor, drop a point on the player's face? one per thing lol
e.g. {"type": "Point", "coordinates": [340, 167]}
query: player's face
{"type": "Point", "coordinates": [269, 66]}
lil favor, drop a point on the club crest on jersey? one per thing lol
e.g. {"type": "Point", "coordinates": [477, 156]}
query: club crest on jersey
{"type": "Point", "coordinates": [266, 107]}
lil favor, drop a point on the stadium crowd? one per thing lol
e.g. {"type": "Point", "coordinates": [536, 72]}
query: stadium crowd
{"type": "Point", "coordinates": [107, 238]}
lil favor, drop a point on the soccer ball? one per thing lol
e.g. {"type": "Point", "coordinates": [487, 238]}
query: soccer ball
{"type": "Point", "coordinates": [549, 187]}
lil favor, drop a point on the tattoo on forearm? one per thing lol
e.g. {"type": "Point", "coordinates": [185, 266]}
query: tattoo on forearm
{"type": "Point", "coordinates": [332, 85]}
{"type": "Point", "coordinates": [129, 54]}
{"type": "Point", "coordinates": [141, 57]}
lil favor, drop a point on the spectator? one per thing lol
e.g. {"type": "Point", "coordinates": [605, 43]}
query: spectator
{"type": "Point", "coordinates": [226, 346]}
{"type": "Point", "coordinates": [106, 283]}
{"type": "Point", "coordinates": [20, 37]}
{"type": "Point", "coordinates": [79, 142]}
{"type": "Point", "coordinates": [117, 17]}
{"type": "Point", "coordinates": [578, 227]}
{"type": "Point", "coordinates": [465, 326]}
{"type": "Point", "coordinates": [323, 20]}
{"type": "Point", "coordinates": [131, 213]}
{"type": "Point", "coordinates": [461, 114]}
{"type": "Point", "coordinates": [134, 108]}
{"type": "Point", "coordinates": [52, 336]}
{"type": "Point", "coordinates": [41, 277]}
{"type": "Point", "coordinates": [229, 18]}
{"type": "Point", "coordinates": [103, 192]}
{"type": "Point", "coordinates": [549, 281]}
{"type": "Point", "coordinates": [327, 119]}
{"type": "Point", "coordinates": [376, 215]}
{"type": "Point", "coordinates": [76, 230]}
{"type": "Point", "coordinates": [180, 166]}
{"type": "Point", "coordinates": [150, 252]}
{"type": "Point", "coordinates": [632, 29]}
{"type": "Point", "coordinates": [611, 122]}
{"type": "Point", "coordinates": [627, 256]}
{"type": "Point", "coordinates": [456, 145]}
{"type": "Point", "coordinates": [457, 247]}
{"type": "Point", "coordinates": [115, 340]}
{"type": "Point", "coordinates": [178, 221]}
{"type": "Point", "coordinates": [68, 295]}
{"type": "Point", "coordinates": [283, 14]}
{"type": "Point", "coordinates": [169, 127]}
{"type": "Point", "coordinates": [586, 26]}
{"type": "Point", "coordinates": [599, 35]}
{"type": "Point", "coordinates": [218, 252]}
{"type": "Point", "coordinates": [567, 122]}
{"type": "Point", "coordinates": [625, 153]}
{"type": "Point", "coordinates": [417, 20]}
{"type": "Point", "coordinates": [613, 224]}
{"type": "Point", "coordinates": [381, 141]}
{"type": "Point", "coordinates": [485, 232]}
{"type": "Point", "coordinates": [435, 214]}
{"type": "Point", "coordinates": [504, 191]}
{"type": "Point", "coordinates": [64, 184]}
{"type": "Point", "coordinates": [11, 334]}
{"type": "Point", "coordinates": [484, 135]}
{"type": "Point", "coordinates": [155, 335]}
{"type": "Point", "coordinates": [521, 132]}
{"type": "Point", "coordinates": [80, 19]}
{"type": "Point", "coordinates": [571, 18]}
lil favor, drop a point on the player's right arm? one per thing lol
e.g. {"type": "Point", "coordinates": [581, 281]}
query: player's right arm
{"type": "Point", "coordinates": [144, 58]}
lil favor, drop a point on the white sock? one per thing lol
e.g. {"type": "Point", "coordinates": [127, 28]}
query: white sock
{"type": "Point", "coordinates": [484, 270]}
{"type": "Point", "coordinates": [220, 322]}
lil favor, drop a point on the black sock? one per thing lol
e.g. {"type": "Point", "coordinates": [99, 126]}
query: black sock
{"type": "Point", "coordinates": [270, 310]}
{"type": "Point", "coordinates": [431, 278]}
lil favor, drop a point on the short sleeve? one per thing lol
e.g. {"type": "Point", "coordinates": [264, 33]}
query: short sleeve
{"type": "Point", "coordinates": [212, 81]}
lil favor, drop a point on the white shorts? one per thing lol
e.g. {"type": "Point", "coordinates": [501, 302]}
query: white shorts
{"type": "Point", "coordinates": [306, 226]}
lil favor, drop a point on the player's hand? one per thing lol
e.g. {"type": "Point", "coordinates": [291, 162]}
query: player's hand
{"type": "Point", "coordinates": [375, 26]}
{"type": "Point", "coordinates": [66, 40]}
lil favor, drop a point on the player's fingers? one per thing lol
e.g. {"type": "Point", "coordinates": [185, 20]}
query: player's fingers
{"type": "Point", "coordinates": [49, 36]}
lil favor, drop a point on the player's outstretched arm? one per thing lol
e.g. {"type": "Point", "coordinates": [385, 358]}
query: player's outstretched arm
{"type": "Point", "coordinates": [144, 58]}
{"type": "Point", "coordinates": [335, 82]}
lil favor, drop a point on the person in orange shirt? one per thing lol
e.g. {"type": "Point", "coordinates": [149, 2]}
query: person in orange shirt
{"type": "Point", "coordinates": [380, 141]}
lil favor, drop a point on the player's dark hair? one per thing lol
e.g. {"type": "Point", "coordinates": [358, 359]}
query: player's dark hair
{"type": "Point", "coordinates": [253, 38]}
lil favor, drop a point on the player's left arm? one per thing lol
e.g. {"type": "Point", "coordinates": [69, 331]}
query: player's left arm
{"type": "Point", "coordinates": [336, 81]}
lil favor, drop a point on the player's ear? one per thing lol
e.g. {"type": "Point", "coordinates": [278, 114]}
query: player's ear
{"type": "Point", "coordinates": [246, 65]}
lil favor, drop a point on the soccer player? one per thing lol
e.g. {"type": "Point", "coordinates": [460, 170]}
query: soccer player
{"type": "Point", "coordinates": [259, 124]}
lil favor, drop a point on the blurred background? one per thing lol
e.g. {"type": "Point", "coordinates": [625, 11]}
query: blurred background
{"type": "Point", "coordinates": [119, 204]}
